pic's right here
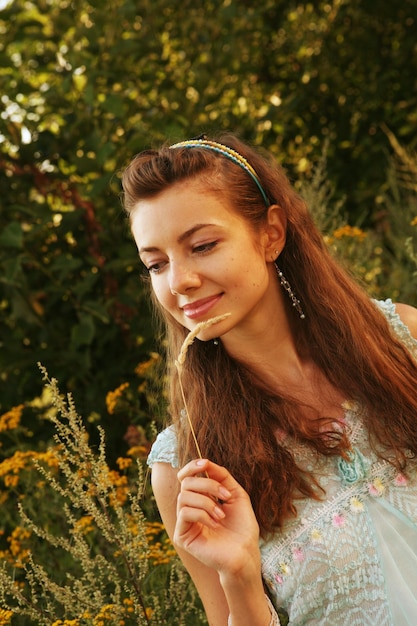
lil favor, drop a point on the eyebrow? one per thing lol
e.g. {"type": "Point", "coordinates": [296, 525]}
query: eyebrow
{"type": "Point", "coordinates": [183, 237]}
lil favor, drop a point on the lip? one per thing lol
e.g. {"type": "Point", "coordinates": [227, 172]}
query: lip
{"type": "Point", "coordinates": [199, 308]}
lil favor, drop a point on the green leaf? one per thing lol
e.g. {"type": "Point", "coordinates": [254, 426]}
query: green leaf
{"type": "Point", "coordinates": [83, 333]}
{"type": "Point", "coordinates": [12, 236]}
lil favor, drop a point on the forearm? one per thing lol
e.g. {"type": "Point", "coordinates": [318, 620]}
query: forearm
{"type": "Point", "coordinates": [248, 604]}
{"type": "Point", "coordinates": [273, 615]}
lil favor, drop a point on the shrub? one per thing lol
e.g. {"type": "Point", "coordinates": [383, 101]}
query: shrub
{"type": "Point", "coordinates": [86, 552]}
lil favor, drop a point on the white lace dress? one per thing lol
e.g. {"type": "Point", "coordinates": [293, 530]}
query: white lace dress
{"type": "Point", "coordinates": [349, 559]}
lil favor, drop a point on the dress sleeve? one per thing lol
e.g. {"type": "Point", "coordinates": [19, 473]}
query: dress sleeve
{"type": "Point", "coordinates": [401, 330]}
{"type": "Point", "coordinates": [165, 448]}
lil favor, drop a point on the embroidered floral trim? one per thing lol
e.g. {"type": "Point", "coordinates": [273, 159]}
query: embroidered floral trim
{"type": "Point", "coordinates": [350, 501]}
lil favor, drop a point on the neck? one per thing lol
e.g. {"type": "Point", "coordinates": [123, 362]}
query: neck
{"type": "Point", "coordinates": [268, 349]}
{"type": "Point", "coordinates": [273, 357]}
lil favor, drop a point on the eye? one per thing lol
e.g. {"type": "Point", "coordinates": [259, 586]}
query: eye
{"type": "Point", "coordinates": [155, 268]}
{"type": "Point", "coordinates": [152, 267]}
{"type": "Point", "coordinates": [205, 247]}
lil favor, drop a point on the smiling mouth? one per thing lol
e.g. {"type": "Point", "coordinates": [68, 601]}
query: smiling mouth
{"type": "Point", "coordinates": [200, 307]}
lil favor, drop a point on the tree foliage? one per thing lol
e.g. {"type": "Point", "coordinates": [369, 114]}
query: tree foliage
{"type": "Point", "coordinates": [85, 85]}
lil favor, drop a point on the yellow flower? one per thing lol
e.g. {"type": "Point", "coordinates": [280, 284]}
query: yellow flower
{"type": "Point", "coordinates": [11, 419]}
{"type": "Point", "coordinates": [84, 525]}
{"type": "Point", "coordinates": [106, 613]}
{"type": "Point", "coordinates": [113, 396]}
{"type": "Point", "coordinates": [414, 221]}
{"type": "Point", "coordinates": [142, 368]}
{"type": "Point", "coordinates": [11, 481]}
{"type": "Point", "coordinates": [123, 463]}
{"type": "Point", "coordinates": [50, 457]}
{"type": "Point", "coordinates": [138, 451]}
{"type": "Point", "coordinates": [17, 553]}
{"type": "Point", "coordinates": [5, 617]}
{"type": "Point", "coordinates": [12, 466]}
{"type": "Point", "coordinates": [350, 231]}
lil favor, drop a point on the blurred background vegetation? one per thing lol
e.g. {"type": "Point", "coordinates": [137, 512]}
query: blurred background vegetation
{"type": "Point", "coordinates": [329, 87]}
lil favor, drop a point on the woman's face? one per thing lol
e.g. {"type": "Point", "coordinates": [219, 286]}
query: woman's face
{"type": "Point", "coordinates": [205, 260]}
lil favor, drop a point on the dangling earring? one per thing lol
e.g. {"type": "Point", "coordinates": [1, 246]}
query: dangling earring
{"type": "Point", "coordinates": [215, 342]}
{"type": "Point", "coordinates": [286, 285]}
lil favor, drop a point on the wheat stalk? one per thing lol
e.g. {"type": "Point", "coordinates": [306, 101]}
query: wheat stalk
{"type": "Point", "coordinates": [181, 360]}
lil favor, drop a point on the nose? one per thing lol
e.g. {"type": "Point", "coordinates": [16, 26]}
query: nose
{"type": "Point", "coordinates": [182, 278]}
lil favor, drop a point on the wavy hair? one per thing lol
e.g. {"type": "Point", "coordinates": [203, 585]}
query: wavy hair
{"type": "Point", "coordinates": [344, 333]}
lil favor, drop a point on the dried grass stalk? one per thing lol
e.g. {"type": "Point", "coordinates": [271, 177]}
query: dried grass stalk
{"type": "Point", "coordinates": [181, 360]}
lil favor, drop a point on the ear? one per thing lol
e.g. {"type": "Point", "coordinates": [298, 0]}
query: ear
{"type": "Point", "coordinates": [275, 231]}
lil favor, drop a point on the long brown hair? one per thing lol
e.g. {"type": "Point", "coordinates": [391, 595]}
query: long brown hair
{"type": "Point", "coordinates": [234, 414]}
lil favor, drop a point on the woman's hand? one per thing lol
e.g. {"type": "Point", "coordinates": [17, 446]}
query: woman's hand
{"type": "Point", "coordinates": [215, 520]}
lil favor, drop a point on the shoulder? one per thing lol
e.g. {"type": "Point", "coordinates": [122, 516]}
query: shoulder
{"type": "Point", "coordinates": [402, 319]}
{"type": "Point", "coordinates": [408, 316]}
{"type": "Point", "coordinates": [165, 484]}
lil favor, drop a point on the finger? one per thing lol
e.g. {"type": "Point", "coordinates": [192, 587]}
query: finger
{"type": "Point", "coordinates": [195, 507]}
{"type": "Point", "coordinates": [193, 468]}
{"type": "Point", "coordinates": [206, 486]}
{"type": "Point", "coordinates": [212, 470]}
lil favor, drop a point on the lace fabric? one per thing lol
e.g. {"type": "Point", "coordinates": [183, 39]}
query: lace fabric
{"type": "Point", "coordinates": [335, 562]}
{"type": "Point", "coordinates": [349, 559]}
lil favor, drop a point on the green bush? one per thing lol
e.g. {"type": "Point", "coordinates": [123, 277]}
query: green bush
{"type": "Point", "coordinates": [84, 551]}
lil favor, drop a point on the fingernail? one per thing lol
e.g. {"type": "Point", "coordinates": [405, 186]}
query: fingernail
{"type": "Point", "coordinates": [200, 462]}
{"type": "Point", "coordinates": [225, 494]}
{"type": "Point", "coordinates": [219, 513]}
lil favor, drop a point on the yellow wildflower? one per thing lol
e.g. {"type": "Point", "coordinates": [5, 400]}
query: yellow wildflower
{"type": "Point", "coordinates": [122, 487]}
{"type": "Point", "coordinates": [113, 396]}
{"type": "Point", "coordinates": [350, 231]}
{"type": "Point", "coordinates": [106, 613]}
{"type": "Point", "coordinates": [84, 525]}
{"type": "Point", "coordinates": [11, 467]}
{"type": "Point", "coordinates": [414, 221]}
{"type": "Point", "coordinates": [50, 457]}
{"type": "Point", "coordinates": [138, 451]}
{"type": "Point", "coordinates": [123, 463]}
{"type": "Point", "coordinates": [17, 552]}
{"type": "Point", "coordinates": [5, 617]}
{"type": "Point", "coordinates": [142, 368]}
{"type": "Point", "coordinates": [128, 602]}
{"type": "Point", "coordinates": [11, 419]}
{"type": "Point", "coordinates": [160, 552]}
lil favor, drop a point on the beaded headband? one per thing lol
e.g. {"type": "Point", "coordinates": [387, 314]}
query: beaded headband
{"type": "Point", "coordinates": [230, 154]}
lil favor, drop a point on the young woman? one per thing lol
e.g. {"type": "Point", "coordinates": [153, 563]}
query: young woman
{"type": "Point", "coordinates": [303, 399]}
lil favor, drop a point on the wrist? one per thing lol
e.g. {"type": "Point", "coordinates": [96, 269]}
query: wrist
{"type": "Point", "coordinates": [247, 572]}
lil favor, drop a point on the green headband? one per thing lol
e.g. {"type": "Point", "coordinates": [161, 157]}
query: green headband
{"type": "Point", "coordinates": [229, 154]}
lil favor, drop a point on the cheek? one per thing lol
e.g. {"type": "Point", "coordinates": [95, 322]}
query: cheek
{"type": "Point", "coordinates": [161, 291]}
